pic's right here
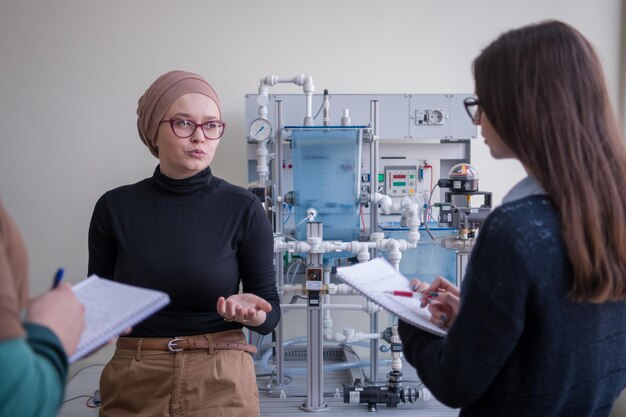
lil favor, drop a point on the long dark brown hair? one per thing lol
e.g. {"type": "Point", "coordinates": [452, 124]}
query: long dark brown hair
{"type": "Point", "coordinates": [543, 89]}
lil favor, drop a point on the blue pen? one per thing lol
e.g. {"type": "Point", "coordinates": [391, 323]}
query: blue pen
{"type": "Point", "coordinates": [57, 278]}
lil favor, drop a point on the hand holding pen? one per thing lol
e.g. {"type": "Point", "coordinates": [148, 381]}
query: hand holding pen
{"type": "Point", "coordinates": [60, 311]}
{"type": "Point", "coordinates": [443, 300]}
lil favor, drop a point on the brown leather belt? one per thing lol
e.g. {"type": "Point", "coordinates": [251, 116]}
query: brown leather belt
{"type": "Point", "coordinates": [210, 342]}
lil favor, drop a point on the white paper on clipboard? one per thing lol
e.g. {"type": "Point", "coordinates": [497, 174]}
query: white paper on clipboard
{"type": "Point", "coordinates": [374, 277]}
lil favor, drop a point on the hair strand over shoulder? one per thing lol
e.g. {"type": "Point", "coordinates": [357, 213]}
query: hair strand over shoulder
{"type": "Point", "coordinates": [543, 88]}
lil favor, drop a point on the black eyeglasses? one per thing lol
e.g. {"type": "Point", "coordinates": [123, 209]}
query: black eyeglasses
{"type": "Point", "coordinates": [185, 128]}
{"type": "Point", "coordinates": [472, 107]}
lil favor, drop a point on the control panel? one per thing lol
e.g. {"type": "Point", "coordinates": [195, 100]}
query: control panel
{"type": "Point", "coordinates": [400, 180]}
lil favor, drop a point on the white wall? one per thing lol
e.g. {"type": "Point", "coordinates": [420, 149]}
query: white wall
{"type": "Point", "coordinates": [72, 71]}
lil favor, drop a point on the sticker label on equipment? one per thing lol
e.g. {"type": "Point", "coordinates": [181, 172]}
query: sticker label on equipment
{"type": "Point", "coordinates": [355, 397]}
{"type": "Point", "coordinates": [314, 285]}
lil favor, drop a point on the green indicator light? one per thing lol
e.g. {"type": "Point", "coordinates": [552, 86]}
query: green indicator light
{"type": "Point", "coordinates": [411, 176]}
{"type": "Point", "coordinates": [399, 184]}
{"type": "Point", "coordinates": [381, 177]}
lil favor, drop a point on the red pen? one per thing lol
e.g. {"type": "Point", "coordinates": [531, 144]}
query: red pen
{"type": "Point", "coordinates": [410, 294]}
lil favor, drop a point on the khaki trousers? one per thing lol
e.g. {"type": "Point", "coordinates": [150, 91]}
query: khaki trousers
{"type": "Point", "coordinates": [150, 383]}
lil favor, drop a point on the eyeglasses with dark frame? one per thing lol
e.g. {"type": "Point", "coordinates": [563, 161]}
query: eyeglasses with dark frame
{"type": "Point", "coordinates": [185, 128]}
{"type": "Point", "coordinates": [472, 107]}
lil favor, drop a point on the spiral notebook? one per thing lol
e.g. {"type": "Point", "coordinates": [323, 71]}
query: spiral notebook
{"type": "Point", "coordinates": [374, 277]}
{"type": "Point", "coordinates": [110, 308]}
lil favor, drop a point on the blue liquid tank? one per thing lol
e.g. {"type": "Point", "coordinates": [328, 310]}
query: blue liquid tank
{"type": "Point", "coordinates": [327, 177]}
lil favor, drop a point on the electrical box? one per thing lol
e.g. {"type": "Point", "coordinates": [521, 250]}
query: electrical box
{"type": "Point", "coordinates": [430, 117]}
{"type": "Point", "coordinates": [314, 284]}
{"type": "Point", "coordinates": [416, 117]}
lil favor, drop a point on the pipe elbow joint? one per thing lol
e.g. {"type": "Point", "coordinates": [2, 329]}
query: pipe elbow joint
{"type": "Point", "coordinates": [307, 84]}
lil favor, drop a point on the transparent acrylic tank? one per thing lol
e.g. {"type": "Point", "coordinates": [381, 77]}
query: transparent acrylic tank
{"type": "Point", "coordinates": [326, 176]}
{"type": "Point", "coordinates": [429, 259]}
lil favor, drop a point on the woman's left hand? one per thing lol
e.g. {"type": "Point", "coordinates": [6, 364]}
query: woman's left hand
{"type": "Point", "coordinates": [248, 309]}
{"type": "Point", "coordinates": [443, 300]}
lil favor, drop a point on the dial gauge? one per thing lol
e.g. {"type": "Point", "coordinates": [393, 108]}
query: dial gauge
{"type": "Point", "coordinates": [260, 129]}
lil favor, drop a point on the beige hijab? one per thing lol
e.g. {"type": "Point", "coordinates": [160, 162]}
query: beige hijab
{"type": "Point", "coordinates": [158, 98]}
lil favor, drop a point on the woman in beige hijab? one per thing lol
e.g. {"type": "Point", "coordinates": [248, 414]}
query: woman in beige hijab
{"type": "Point", "coordinates": [198, 238]}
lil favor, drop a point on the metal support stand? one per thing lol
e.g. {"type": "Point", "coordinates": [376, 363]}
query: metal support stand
{"type": "Point", "coordinates": [279, 351]}
{"type": "Point", "coordinates": [278, 381]}
{"type": "Point", "coordinates": [374, 148]}
{"type": "Point", "coordinates": [462, 259]}
{"type": "Point", "coordinates": [315, 342]}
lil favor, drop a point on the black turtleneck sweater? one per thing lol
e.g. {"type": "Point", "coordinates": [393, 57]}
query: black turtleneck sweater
{"type": "Point", "coordinates": [196, 239]}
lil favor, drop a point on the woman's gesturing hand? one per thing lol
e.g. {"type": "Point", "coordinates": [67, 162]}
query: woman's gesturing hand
{"type": "Point", "coordinates": [248, 309]}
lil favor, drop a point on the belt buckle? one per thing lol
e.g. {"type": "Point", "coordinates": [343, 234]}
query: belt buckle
{"type": "Point", "coordinates": [171, 345]}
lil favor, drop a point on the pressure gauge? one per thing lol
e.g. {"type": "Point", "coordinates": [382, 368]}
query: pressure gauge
{"type": "Point", "coordinates": [260, 129]}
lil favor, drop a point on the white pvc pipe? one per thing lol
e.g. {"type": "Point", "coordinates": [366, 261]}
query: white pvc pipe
{"type": "Point", "coordinates": [325, 307]}
{"type": "Point", "coordinates": [314, 245]}
{"type": "Point", "coordinates": [303, 80]}
{"type": "Point", "coordinates": [262, 162]}
{"type": "Point", "coordinates": [396, 357]}
{"type": "Point", "coordinates": [349, 335]}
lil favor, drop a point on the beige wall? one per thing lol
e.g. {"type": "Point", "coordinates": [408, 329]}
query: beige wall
{"type": "Point", "coordinates": [72, 71]}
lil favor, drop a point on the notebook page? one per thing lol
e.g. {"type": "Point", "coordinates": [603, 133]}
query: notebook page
{"type": "Point", "coordinates": [110, 308]}
{"type": "Point", "coordinates": [374, 277]}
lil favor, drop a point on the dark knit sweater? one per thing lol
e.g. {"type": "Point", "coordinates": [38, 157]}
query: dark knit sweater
{"type": "Point", "coordinates": [196, 239]}
{"type": "Point", "coordinates": [519, 346]}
